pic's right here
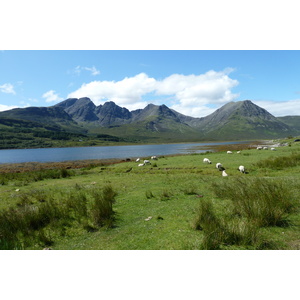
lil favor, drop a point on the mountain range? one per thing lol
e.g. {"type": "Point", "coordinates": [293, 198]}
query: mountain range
{"type": "Point", "coordinates": [155, 123]}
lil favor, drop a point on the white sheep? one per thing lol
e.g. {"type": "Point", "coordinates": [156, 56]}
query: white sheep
{"type": "Point", "coordinates": [140, 165]}
{"type": "Point", "coordinates": [154, 157]}
{"type": "Point", "coordinates": [138, 159]}
{"type": "Point", "coordinates": [238, 152]}
{"type": "Point", "coordinates": [273, 149]}
{"type": "Point", "coordinates": [259, 148]}
{"type": "Point", "coordinates": [265, 148]}
{"type": "Point", "coordinates": [207, 161]}
{"type": "Point", "coordinates": [224, 173]}
{"type": "Point", "coordinates": [229, 152]}
{"type": "Point", "coordinates": [242, 169]}
{"type": "Point", "coordinates": [147, 161]}
{"type": "Point", "coordinates": [220, 167]}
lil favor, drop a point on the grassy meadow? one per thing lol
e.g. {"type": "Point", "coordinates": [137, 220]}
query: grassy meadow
{"type": "Point", "coordinates": [177, 202]}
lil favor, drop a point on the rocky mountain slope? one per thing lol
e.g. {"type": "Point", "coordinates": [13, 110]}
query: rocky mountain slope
{"type": "Point", "coordinates": [234, 120]}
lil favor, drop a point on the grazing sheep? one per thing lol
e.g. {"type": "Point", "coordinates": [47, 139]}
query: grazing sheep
{"type": "Point", "coordinates": [238, 152]}
{"type": "Point", "coordinates": [224, 173]}
{"type": "Point", "coordinates": [207, 161]}
{"type": "Point", "coordinates": [218, 164]}
{"type": "Point", "coordinates": [265, 148]}
{"type": "Point", "coordinates": [220, 167]}
{"type": "Point", "coordinates": [273, 149]}
{"type": "Point", "coordinates": [138, 159]}
{"type": "Point", "coordinates": [154, 157]}
{"type": "Point", "coordinates": [140, 165]}
{"type": "Point", "coordinates": [229, 152]}
{"type": "Point", "coordinates": [242, 169]}
{"type": "Point", "coordinates": [147, 162]}
{"type": "Point", "coordinates": [259, 148]}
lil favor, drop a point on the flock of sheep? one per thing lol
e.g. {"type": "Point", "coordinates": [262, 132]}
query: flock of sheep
{"type": "Point", "coordinates": [219, 166]}
{"type": "Point", "coordinates": [146, 161]}
{"type": "Point", "coordinates": [241, 168]}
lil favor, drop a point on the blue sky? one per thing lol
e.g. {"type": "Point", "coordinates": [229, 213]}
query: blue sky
{"type": "Point", "coordinates": [193, 82]}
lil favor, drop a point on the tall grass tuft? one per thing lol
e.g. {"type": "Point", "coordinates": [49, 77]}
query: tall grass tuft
{"type": "Point", "coordinates": [102, 212]}
{"type": "Point", "coordinates": [221, 230]}
{"type": "Point", "coordinates": [282, 162]}
{"type": "Point", "coordinates": [37, 215]}
{"type": "Point", "coordinates": [263, 201]}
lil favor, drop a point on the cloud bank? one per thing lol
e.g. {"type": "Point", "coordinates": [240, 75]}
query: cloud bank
{"type": "Point", "coordinates": [280, 108]}
{"type": "Point", "coordinates": [188, 94]}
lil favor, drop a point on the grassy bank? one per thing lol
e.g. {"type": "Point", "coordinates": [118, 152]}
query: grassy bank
{"type": "Point", "coordinates": [177, 202]}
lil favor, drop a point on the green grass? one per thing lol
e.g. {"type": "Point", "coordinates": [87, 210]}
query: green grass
{"type": "Point", "coordinates": [181, 203]}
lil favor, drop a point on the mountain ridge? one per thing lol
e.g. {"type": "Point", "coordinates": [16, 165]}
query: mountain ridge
{"type": "Point", "coordinates": [232, 121]}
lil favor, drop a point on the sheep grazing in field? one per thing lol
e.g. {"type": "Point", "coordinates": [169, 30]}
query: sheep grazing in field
{"type": "Point", "coordinates": [259, 148]}
{"type": "Point", "coordinates": [229, 152]}
{"type": "Point", "coordinates": [207, 161]}
{"type": "Point", "coordinates": [273, 149]}
{"type": "Point", "coordinates": [146, 161]}
{"type": "Point", "coordinates": [141, 165]}
{"type": "Point", "coordinates": [238, 152]}
{"type": "Point", "coordinates": [242, 169]}
{"type": "Point", "coordinates": [138, 159]}
{"type": "Point", "coordinates": [265, 148]}
{"type": "Point", "coordinates": [154, 157]}
{"type": "Point", "coordinates": [224, 173]}
{"type": "Point", "coordinates": [220, 167]}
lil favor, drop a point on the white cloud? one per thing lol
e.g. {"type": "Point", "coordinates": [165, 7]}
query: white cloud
{"type": "Point", "coordinates": [93, 70]}
{"type": "Point", "coordinates": [50, 96]}
{"type": "Point", "coordinates": [125, 92]}
{"type": "Point", "coordinates": [190, 93]}
{"type": "Point", "coordinates": [6, 107]}
{"type": "Point", "coordinates": [280, 108]}
{"type": "Point", "coordinates": [7, 88]}
{"type": "Point", "coordinates": [77, 70]}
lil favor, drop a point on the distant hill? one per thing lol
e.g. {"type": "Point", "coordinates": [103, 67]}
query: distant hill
{"type": "Point", "coordinates": [291, 121]}
{"type": "Point", "coordinates": [240, 120]}
{"type": "Point", "coordinates": [155, 123]}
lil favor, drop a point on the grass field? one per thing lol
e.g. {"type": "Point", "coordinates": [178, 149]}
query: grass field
{"type": "Point", "coordinates": [177, 202]}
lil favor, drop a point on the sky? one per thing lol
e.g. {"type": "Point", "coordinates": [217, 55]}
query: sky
{"type": "Point", "coordinates": [193, 82]}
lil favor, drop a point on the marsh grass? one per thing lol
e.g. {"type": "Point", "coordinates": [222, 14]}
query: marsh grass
{"type": "Point", "coordinates": [220, 230]}
{"type": "Point", "coordinates": [165, 195]}
{"type": "Point", "coordinates": [278, 163]}
{"type": "Point", "coordinates": [33, 220]}
{"type": "Point", "coordinates": [24, 178]}
{"type": "Point", "coordinates": [266, 202]}
{"type": "Point", "coordinates": [253, 204]}
{"type": "Point", "coordinates": [102, 206]}
{"type": "Point", "coordinates": [149, 194]}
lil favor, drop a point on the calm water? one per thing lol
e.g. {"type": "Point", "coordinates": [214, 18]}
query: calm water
{"type": "Point", "coordinates": [83, 153]}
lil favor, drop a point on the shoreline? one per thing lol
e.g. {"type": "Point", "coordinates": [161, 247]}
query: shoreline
{"type": "Point", "coordinates": [78, 164]}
